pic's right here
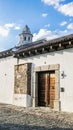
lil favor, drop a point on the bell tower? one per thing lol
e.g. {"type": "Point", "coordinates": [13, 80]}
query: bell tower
{"type": "Point", "coordinates": [25, 36]}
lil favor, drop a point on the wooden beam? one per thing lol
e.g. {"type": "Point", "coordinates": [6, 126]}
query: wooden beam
{"type": "Point", "coordinates": [35, 51]}
{"type": "Point", "coordinates": [70, 45]}
{"type": "Point", "coordinates": [43, 49]}
{"type": "Point", "coordinates": [0, 55]}
{"type": "Point", "coordinates": [18, 55]}
{"type": "Point", "coordinates": [7, 53]}
{"type": "Point", "coordinates": [69, 42]}
{"type": "Point", "coordinates": [29, 52]}
{"type": "Point", "coordinates": [23, 53]}
{"type": "Point", "coordinates": [51, 47]}
{"type": "Point", "coordinates": [60, 44]}
{"type": "Point", "coordinates": [60, 47]}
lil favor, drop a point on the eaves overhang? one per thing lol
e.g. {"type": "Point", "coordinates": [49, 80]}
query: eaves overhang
{"type": "Point", "coordinates": [39, 47]}
{"type": "Point", "coordinates": [6, 53]}
{"type": "Point", "coordinates": [45, 47]}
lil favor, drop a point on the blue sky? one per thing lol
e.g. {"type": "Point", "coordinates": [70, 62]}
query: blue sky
{"type": "Point", "coordinates": [46, 18]}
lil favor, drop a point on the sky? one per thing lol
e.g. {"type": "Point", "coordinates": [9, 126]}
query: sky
{"type": "Point", "coordinates": [47, 19]}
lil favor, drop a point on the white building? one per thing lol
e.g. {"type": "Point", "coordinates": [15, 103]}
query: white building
{"type": "Point", "coordinates": [38, 74]}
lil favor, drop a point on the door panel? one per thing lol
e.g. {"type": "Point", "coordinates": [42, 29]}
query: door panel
{"type": "Point", "coordinates": [46, 89]}
{"type": "Point", "coordinates": [52, 90]}
{"type": "Point", "coordinates": [43, 89]}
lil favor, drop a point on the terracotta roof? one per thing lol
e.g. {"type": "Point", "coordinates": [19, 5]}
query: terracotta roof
{"type": "Point", "coordinates": [43, 43]}
{"type": "Point", "coordinates": [40, 47]}
{"type": "Point", "coordinates": [6, 53]}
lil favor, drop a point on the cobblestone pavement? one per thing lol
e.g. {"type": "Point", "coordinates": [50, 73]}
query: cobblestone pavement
{"type": "Point", "coordinates": [19, 118]}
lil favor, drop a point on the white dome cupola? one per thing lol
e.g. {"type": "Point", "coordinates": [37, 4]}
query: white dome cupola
{"type": "Point", "coordinates": [25, 36]}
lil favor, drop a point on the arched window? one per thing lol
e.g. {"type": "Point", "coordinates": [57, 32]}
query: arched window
{"type": "Point", "coordinates": [28, 38]}
{"type": "Point", "coordinates": [24, 38]}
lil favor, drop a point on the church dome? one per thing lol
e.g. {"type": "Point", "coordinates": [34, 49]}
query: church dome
{"type": "Point", "coordinates": [25, 36]}
{"type": "Point", "coordinates": [26, 30]}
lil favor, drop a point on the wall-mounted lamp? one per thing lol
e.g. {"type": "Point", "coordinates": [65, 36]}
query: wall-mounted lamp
{"type": "Point", "coordinates": [62, 74]}
{"type": "Point", "coordinates": [62, 89]}
{"type": "Point", "coordinates": [5, 74]}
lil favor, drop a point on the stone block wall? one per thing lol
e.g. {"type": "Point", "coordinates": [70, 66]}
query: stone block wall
{"type": "Point", "coordinates": [22, 82]}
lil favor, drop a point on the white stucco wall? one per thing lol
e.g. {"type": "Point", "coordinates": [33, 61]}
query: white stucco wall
{"type": "Point", "coordinates": [64, 58]}
{"type": "Point", "coordinates": [22, 100]}
{"type": "Point", "coordinates": [7, 79]}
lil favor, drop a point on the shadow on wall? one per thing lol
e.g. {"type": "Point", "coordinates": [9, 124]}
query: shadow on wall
{"type": "Point", "coordinates": [28, 127]}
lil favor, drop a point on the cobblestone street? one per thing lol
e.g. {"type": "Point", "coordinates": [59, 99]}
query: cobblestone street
{"type": "Point", "coordinates": [19, 118]}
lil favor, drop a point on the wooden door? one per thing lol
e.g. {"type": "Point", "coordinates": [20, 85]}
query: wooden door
{"type": "Point", "coordinates": [52, 89]}
{"type": "Point", "coordinates": [46, 89]}
{"type": "Point", "coordinates": [43, 89]}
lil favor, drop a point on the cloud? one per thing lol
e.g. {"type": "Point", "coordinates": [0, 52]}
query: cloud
{"type": "Point", "coordinates": [17, 27]}
{"type": "Point", "coordinates": [6, 28]}
{"type": "Point", "coordinates": [9, 25]}
{"type": "Point", "coordinates": [66, 9]}
{"type": "Point", "coordinates": [70, 26]}
{"type": "Point", "coordinates": [3, 31]}
{"type": "Point", "coordinates": [47, 25]}
{"type": "Point", "coordinates": [61, 32]}
{"type": "Point", "coordinates": [63, 23]}
{"type": "Point", "coordinates": [44, 15]}
{"type": "Point", "coordinates": [12, 25]}
{"type": "Point", "coordinates": [54, 3]}
{"type": "Point", "coordinates": [48, 34]}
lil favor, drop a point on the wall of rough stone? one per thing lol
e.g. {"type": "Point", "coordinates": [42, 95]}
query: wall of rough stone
{"type": "Point", "coordinates": [22, 85]}
{"type": "Point", "coordinates": [22, 82]}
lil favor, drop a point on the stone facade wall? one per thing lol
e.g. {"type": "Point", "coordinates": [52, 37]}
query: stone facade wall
{"type": "Point", "coordinates": [22, 83]}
